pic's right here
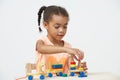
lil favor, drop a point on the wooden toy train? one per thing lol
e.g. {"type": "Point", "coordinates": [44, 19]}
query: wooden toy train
{"type": "Point", "coordinates": [56, 70]}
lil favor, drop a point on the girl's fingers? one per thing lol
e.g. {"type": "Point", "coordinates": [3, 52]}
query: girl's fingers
{"type": "Point", "coordinates": [79, 53]}
{"type": "Point", "coordinates": [75, 57]}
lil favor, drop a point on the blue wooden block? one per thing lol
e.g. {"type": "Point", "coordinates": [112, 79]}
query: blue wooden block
{"type": "Point", "coordinates": [59, 74]}
{"type": "Point", "coordinates": [50, 75]}
{"type": "Point", "coordinates": [82, 74]}
{"type": "Point", "coordinates": [57, 66]}
{"type": "Point", "coordinates": [42, 77]}
{"type": "Point", "coordinates": [72, 73]}
{"type": "Point", "coordinates": [30, 77]}
{"type": "Point", "coordinates": [72, 68]}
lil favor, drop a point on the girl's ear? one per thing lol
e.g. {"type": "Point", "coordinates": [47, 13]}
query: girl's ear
{"type": "Point", "coordinates": [45, 24]}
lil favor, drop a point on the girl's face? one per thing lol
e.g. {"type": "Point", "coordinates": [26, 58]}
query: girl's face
{"type": "Point", "coordinates": [56, 27]}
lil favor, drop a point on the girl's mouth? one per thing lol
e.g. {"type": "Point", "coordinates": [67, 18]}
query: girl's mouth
{"type": "Point", "coordinates": [60, 36]}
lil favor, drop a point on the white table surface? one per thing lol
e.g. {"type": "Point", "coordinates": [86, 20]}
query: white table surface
{"type": "Point", "coordinates": [91, 76]}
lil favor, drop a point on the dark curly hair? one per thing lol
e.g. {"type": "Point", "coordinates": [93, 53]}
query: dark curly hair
{"type": "Point", "coordinates": [49, 12]}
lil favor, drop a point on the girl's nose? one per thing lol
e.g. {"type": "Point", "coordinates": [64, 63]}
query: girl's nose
{"type": "Point", "coordinates": [61, 30]}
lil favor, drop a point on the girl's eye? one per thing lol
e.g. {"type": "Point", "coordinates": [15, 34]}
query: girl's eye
{"type": "Point", "coordinates": [56, 27]}
{"type": "Point", "coordinates": [65, 27]}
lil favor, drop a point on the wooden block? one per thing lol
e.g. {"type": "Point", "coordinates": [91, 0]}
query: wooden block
{"type": "Point", "coordinates": [55, 66]}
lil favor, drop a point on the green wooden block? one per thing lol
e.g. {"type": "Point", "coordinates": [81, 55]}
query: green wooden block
{"type": "Point", "coordinates": [64, 75]}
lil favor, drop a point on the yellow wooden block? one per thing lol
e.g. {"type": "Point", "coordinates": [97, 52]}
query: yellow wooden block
{"type": "Point", "coordinates": [72, 65]}
{"type": "Point", "coordinates": [48, 70]}
{"type": "Point", "coordinates": [74, 70]}
{"type": "Point", "coordinates": [56, 70]}
{"type": "Point", "coordinates": [81, 69]}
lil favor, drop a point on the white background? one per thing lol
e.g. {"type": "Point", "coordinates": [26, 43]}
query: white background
{"type": "Point", "coordinates": [94, 27]}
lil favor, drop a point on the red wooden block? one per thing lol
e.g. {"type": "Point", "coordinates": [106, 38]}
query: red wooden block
{"type": "Point", "coordinates": [72, 62]}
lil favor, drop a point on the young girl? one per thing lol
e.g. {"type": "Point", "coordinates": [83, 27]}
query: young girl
{"type": "Point", "coordinates": [51, 49]}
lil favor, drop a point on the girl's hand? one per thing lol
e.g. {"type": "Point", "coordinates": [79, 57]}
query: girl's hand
{"type": "Point", "coordinates": [79, 53]}
{"type": "Point", "coordinates": [76, 53]}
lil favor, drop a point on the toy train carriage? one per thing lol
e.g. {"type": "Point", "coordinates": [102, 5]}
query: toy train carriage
{"type": "Point", "coordinates": [31, 75]}
{"type": "Point", "coordinates": [74, 70]}
{"type": "Point", "coordinates": [55, 69]}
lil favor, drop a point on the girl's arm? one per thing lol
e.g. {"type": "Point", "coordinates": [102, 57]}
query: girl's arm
{"type": "Point", "coordinates": [49, 49]}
